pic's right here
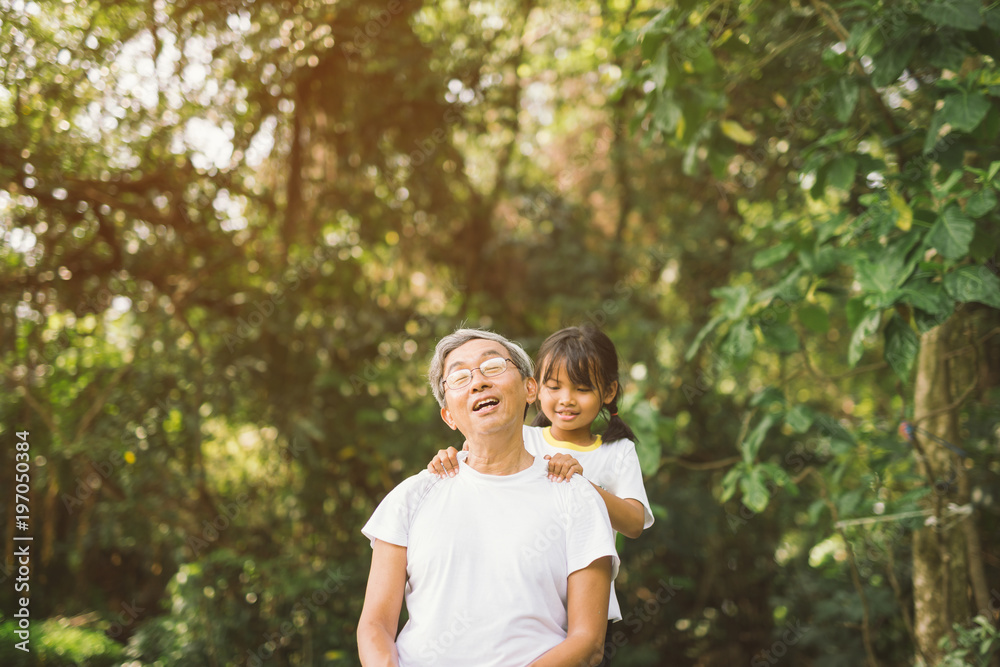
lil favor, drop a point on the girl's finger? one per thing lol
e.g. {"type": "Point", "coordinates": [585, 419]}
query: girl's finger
{"type": "Point", "coordinates": [447, 466]}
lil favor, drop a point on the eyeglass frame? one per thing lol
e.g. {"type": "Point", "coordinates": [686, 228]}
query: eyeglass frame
{"type": "Point", "coordinates": [506, 363]}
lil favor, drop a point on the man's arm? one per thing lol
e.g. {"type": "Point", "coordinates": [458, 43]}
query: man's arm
{"type": "Point", "coordinates": [383, 602]}
{"type": "Point", "coordinates": [587, 605]}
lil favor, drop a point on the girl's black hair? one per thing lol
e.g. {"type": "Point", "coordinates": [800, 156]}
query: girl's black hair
{"type": "Point", "coordinates": [591, 361]}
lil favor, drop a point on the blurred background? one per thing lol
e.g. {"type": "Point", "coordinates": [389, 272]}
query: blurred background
{"type": "Point", "coordinates": [232, 232]}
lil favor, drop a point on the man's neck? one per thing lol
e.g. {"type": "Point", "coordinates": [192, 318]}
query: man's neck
{"type": "Point", "coordinates": [499, 454]}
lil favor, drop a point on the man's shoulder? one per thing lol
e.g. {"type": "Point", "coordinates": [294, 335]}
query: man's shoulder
{"type": "Point", "coordinates": [415, 487]}
{"type": "Point", "coordinates": [578, 491]}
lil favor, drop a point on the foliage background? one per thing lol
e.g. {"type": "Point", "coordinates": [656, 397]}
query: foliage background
{"type": "Point", "coordinates": [232, 233]}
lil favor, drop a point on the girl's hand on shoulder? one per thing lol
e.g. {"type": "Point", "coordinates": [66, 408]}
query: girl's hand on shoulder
{"type": "Point", "coordinates": [562, 467]}
{"type": "Point", "coordinates": [445, 463]}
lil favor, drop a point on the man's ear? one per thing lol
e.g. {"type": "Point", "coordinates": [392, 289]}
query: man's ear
{"type": "Point", "coordinates": [531, 388]}
{"type": "Point", "coordinates": [609, 395]}
{"type": "Point", "coordinates": [446, 416]}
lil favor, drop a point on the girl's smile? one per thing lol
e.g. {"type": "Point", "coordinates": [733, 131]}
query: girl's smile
{"type": "Point", "coordinates": [571, 407]}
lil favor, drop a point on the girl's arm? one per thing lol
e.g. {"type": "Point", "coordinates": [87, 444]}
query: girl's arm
{"type": "Point", "coordinates": [587, 593]}
{"type": "Point", "coordinates": [383, 602]}
{"type": "Point", "coordinates": [627, 514]}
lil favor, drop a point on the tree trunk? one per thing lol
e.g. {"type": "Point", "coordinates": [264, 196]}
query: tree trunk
{"type": "Point", "coordinates": [939, 546]}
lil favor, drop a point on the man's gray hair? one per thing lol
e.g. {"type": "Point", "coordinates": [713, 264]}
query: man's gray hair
{"type": "Point", "coordinates": [459, 338]}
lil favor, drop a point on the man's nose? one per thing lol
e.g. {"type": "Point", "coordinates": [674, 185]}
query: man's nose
{"type": "Point", "coordinates": [480, 381]}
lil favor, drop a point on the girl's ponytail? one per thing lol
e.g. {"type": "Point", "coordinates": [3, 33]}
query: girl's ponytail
{"type": "Point", "coordinates": [617, 428]}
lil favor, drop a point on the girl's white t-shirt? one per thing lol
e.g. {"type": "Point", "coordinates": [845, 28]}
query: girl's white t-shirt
{"type": "Point", "coordinates": [487, 562]}
{"type": "Point", "coordinates": [614, 466]}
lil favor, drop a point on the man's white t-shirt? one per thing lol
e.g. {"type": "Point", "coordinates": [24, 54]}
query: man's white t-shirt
{"type": "Point", "coordinates": [614, 466]}
{"type": "Point", "coordinates": [487, 562]}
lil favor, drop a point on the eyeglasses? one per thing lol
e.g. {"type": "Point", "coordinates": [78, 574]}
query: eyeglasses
{"type": "Point", "coordinates": [489, 368]}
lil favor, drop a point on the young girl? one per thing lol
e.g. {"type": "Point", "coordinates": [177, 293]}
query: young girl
{"type": "Point", "coordinates": [577, 374]}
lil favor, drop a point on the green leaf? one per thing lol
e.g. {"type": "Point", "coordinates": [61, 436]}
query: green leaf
{"type": "Point", "coordinates": [974, 283]}
{"type": "Point", "coordinates": [892, 60]}
{"type": "Point", "coordinates": [875, 276]}
{"type": "Point", "coordinates": [766, 397]}
{"type": "Point", "coordinates": [739, 342]}
{"type": "Point", "coordinates": [780, 476]}
{"type": "Point", "coordinates": [889, 268]}
{"type": "Point", "coordinates": [786, 288]}
{"type": "Point", "coordinates": [865, 39]}
{"type": "Point", "coordinates": [730, 480]}
{"type": "Point", "coordinates": [964, 110]}
{"type": "Point", "coordinates": [925, 321]}
{"type": "Point", "coordinates": [953, 178]}
{"type": "Point", "coordinates": [947, 49]}
{"type": "Point", "coordinates": [992, 173]}
{"type": "Point", "coordinates": [781, 337]}
{"type": "Point", "coordinates": [755, 494]}
{"type": "Point", "coordinates": [981, 203]}
{"type": "Point", "coordinates": [814, 511]}
{"type": "Point", "coordinates": [868, 326]}
{"type": "Point", "coordinates": [961, 14]}
{"type": "Point", "coordinates": [705, 330]}
{"type": "Point", "coordinates": [841, 172]}
{"type": "Point", "coordinates": [927, 296]}
{"type": "Point", "coordinates": [734, 301]}
{"type": "Point", "coordinates": [772, 255]}
{"type": "Point", "coordinates": [800, 418]}
{"type": "Point", "coordinates": [814, 318]}
{"type": "Point", "coordinates": [845, 98]}
{"type": "Point", "coordinates": [855, 310]}
{"type": "Point", "coordinates": [668, 112]}
{"type": "Point", "coordinates": [952, 233]}
{"type": "Point", "coordinates": [901, 347]}
{"type": "Point", "coordinates": [932, 139]}
{"type": "Point", "coordinates": [660, 67]}
{"type": "Point", "coordinates": [847, 502]}
{"type": "Point", "coordinates": [750, 446]}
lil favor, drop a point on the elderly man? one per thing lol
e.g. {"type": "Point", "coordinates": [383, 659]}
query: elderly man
{"type": "Point", "coordinates": [499, 566]}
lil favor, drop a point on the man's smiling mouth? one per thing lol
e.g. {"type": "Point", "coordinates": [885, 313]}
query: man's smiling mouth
{"type": "Point", "coordinates": [485, 403]}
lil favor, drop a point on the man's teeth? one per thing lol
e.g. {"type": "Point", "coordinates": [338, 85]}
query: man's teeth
{"type": "Point", "coordinates": [484, 403]}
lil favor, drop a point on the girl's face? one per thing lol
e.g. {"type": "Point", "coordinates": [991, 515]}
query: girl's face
{"type": "Point", "coordinates": [571, 407]}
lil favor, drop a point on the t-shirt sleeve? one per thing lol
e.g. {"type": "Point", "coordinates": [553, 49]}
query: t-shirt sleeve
{"type": "Point", "coordinates": [531, 435]}
{"type": "Point", "coordinates": [626, 482]}
{"type": "Point", "coordinates": [588, 532]}
{"type": "Point", "coordinates": [390, 522]}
